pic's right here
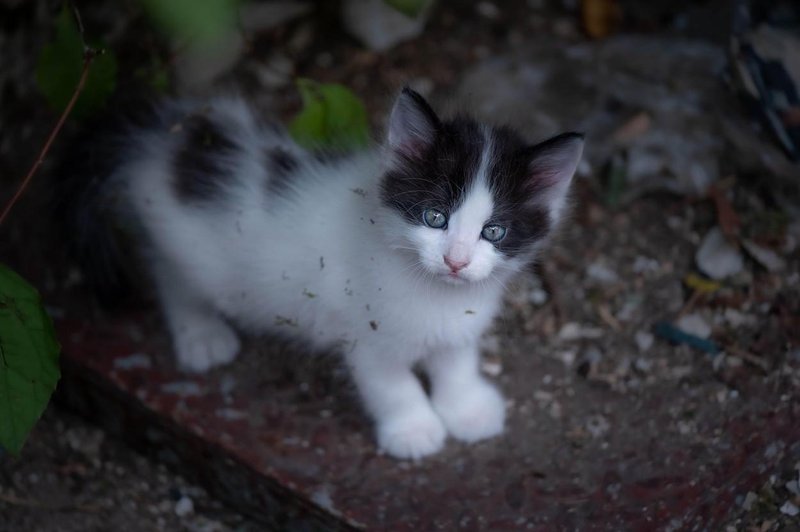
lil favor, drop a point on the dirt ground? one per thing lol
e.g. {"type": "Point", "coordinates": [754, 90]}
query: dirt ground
{"type": "Point", "coordinates": [585, 327]}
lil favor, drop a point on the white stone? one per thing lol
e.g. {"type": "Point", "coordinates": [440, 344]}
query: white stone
{"type": "Point", "coordinates": [184, 506]}
{"type": "Point", "coordinates": [736, 318]}
{"type": "Point", "coordinates": [575, 331]}
{"type": "Point", "coordinates": [765, 257]}
{"type": "Point", "coordinates": [601, 273]}
{"type": "Point", "coordinates": [749, 500]}
{"type": "Point", "coordinates": [644, 340]}
{"type": "Point", "coordinates": [789, 508]}
{"type": "Point", "coordinates": [694, 324]}
{"type": "Point", "coordinates": [716, 257]}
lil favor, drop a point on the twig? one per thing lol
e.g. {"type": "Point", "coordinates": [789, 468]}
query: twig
{"type": "Point", "coordinates": [607, 317]}
{"type": "Point", "coordinates": [88, 56]}
{"type": "Point", "coordinates": [696, 296]}
{"type": "Point", "coordinates": [748, 357]}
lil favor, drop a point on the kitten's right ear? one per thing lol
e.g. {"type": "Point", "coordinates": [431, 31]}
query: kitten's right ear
{"type": "Point", "coordinates": [412, 125]}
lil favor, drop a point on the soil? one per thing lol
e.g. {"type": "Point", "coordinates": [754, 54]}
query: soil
{"type": "Point", "coordinates": [589, 383]}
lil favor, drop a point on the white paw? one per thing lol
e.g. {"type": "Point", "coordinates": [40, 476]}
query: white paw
{"type": "Point", "coordinates": [412, 434]}
{"type": "Point", "coordinates": [203, 346]}
{"type": "Point", "coordinates": [477, 414]}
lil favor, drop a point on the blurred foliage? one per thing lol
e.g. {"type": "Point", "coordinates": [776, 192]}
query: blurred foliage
{"type": "Point", "coordinates": [28, 359]}
{"type": "Point", "coordinates": [332, 117]}
{"type": "Point", "coordinates": [156, 75]}
{"type": "Point", "coordinates": [59, 68]}
{"type": "Point", "coordinates": [206, 20]}
{"type": "Point", "coordinates": [411, 8]}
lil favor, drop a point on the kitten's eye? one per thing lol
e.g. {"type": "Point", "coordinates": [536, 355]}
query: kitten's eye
{"type": "Point", "coordinates": [434, 219]}
{"type": "Point", "coordinates": [493, 233]}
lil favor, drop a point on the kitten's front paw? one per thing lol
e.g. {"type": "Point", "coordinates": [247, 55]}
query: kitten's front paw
{"type": "Point", "coordinates": [476, 415]}
{"type": "Point", "coordinates": [412, 435]}
{"type": "Point", "coordinates": [209, 344]}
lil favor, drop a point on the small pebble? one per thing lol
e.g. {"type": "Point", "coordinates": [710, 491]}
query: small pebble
{"type": "Point", "coordinates": [575, 331]}
{"type": "Point", "coordinates": [694, 324]}
{"type": "Point", "coordinates": [184, 506]}
{"type": "Point", "coordinates": [601, 273]}
{"type": "Point", "coordinates": [644, 340]}
{"type": "Point", "coordinates": [716, 257]}
{"type": "Point", "coordinates": [790, 509]}
{"type": "Point", "coordinates": [749, 500]}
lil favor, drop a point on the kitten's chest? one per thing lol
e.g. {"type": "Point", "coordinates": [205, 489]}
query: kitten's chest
{"type": "Point", "coordinates": [431, 318]}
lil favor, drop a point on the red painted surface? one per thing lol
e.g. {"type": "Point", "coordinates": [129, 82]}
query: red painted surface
{"type": "Point", "coordinates": [296, 438]}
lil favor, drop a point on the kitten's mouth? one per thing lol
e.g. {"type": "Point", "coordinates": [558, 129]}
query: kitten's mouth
{"type": "Point", "coordinates": [453, 278]}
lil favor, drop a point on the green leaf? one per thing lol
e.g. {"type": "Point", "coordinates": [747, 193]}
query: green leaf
{"type": "Point", "coordinates": [59, 68]}
{"type": "Point", "coordinates": [189, 19]}
{"type": "Point", "coordinates": [332, 117]}
{"type": "Point", "coordinates": [28, 359]}
{"type": "Point", "coordinates": [410, 8]}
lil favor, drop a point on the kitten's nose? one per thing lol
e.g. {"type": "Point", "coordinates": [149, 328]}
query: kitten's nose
{"type": "Point", "coordinates": [455, 265]}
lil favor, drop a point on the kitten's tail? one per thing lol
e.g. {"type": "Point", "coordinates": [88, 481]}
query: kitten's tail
{"type": "Point", "coordinates": [85, 202]}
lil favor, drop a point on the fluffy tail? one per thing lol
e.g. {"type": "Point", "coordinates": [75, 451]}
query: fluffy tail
{"type": "Point", "coordinates": [85, 203]}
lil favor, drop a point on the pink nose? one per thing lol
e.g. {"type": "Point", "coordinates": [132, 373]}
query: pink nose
{"type": "Point", "coordinates": [454, 264]}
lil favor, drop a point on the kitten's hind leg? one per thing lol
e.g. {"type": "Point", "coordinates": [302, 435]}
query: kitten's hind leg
{"type": "Point", "coordinates": [200, 336]}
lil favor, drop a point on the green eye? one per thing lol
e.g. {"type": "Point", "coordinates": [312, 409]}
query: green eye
{"type": "Point", "coordinates": [434, 219]}
{"type": "Point", "coordinates": [493, 233]}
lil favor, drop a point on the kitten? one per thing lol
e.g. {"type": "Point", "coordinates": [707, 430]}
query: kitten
{"type": "Point", "coordinates": [396, 257]}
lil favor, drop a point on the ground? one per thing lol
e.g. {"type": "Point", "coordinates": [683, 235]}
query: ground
{"type": "Point", "coordinates": [610, 424]}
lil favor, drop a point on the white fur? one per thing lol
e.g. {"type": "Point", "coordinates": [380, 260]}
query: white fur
{"type": "Point", "coordinates": [331, 265]}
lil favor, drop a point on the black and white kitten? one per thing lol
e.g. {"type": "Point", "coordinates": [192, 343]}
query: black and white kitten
{"type": "Point", "coordinates": [396, 256]}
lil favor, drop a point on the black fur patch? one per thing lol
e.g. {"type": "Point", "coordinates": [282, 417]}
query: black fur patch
{"type": "Point", "coordinates": [440, 177]}
{"type": "Point", "coordinates": [281, 166]}
{"type": "Point", "coordinates": [202, 163]}
{"type": "Point", "coordinates": [510, 183]}
{"type": "Point", "coordinates": [84, 203]}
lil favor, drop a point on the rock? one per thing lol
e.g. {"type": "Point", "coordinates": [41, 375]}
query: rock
{"type": "Point", "coordinates": [574, 331]}
{"type": "Point", "coordinates": [716, 257]}
{"type": "Point", "coordinates": [644, 340]}
{"type": "Point", "coordinates": [597, 426]}
{"type": "Point", "coordinates": [538, 297]}
{"type": "Point", "coordinates": [736, 318]}
{"type": "Point", "coordinates": [642, 264]}
{"type": "Point", "coordinates": [694, 324]}
{"type": "Point", "coordinates": [749, 500]}
{"type": "Point", "coordinates": [601, 273]}
{"type": "Point", "coordinates": [380, 26]}
{"type": "Point", "coordinates": [589, 360]}
{"type": "Point", "coordinates": [765, 257]}
{"type": "Point", "coordinates": [790, 509]}
{"type": "Point", "coordinates": [184, 506]}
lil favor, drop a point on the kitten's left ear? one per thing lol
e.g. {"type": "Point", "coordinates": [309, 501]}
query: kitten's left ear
{"type": "Point", "coordinates": [412, 126]}
{"type": "Point", "coordinates": [551, 166]}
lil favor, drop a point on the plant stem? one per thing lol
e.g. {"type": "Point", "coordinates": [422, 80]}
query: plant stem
{"type": "Point", "coordinates": [88, 57]}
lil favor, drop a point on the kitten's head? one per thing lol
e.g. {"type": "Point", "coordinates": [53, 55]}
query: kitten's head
{"type": "Point", "coordinates": [476, 200]}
